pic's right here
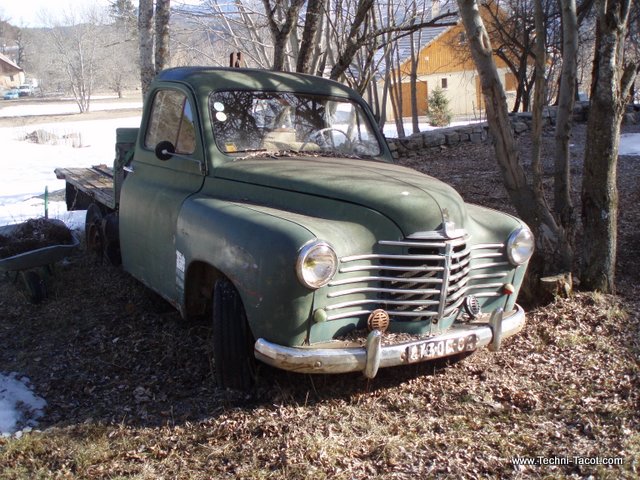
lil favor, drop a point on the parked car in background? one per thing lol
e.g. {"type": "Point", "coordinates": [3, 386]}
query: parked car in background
{"type": "Point", "coordinates": [11, 94]}
{"type": "Point", "coordinates": [25, 90]}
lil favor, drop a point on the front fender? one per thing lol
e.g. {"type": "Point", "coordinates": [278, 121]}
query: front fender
{"type": "Point", "coordinates": [257, 252]}
{"type": "Point", "coordinates": [487, 225]}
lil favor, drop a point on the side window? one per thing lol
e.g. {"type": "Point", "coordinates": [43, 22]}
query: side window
{"type": "Point", "coordinates": [171, 119]}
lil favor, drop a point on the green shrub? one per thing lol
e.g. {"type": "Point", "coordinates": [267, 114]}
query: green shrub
{"type": "Point", "coordinates": [439, 113]}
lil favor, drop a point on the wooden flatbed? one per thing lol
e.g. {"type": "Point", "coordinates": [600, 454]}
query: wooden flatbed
{"type": "Point", "coordinates": [88, 185]}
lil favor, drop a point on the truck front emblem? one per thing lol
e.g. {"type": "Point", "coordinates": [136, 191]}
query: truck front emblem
{"type": "Point", "coordinates": [448, 226]}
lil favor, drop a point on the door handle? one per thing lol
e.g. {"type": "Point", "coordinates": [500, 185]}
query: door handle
{"type": "Point", "coordinates": [128, 169]}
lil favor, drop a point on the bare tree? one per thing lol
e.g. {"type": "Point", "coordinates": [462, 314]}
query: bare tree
{"type": "Point", "coordinates": [342, 37]}
{"type": "Point", "coordinates": [220, 27]}
{"type": "Point", "coordinates": [563, 204]}
{"type": "Point", "coordinates": [553, 253]}
{"type": "Point", "coordinates": [612, 80]}
{"type": "Point", "coordinates": [310, 35]}
{"type": "Point", "coordinates": [540, 55]}
{"type": "Point", "coordinates": [282, 18]}
{"type": "Point", "coordinates": [121, 70]}
{"type": "Point", "coordinates": [512, 30]}
{"type": "Point", "coordinates": [395, 78]}
{"type": "Point", "coordinates": [77, 39]}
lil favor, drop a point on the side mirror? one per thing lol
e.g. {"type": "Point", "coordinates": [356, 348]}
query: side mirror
{"type": "Point", "coordinates": [165, 150]}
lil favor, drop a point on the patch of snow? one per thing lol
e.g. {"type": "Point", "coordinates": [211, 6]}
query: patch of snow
{"type": "Point", "coordinates": [629, 144]}
{"type": "Point", "coordinates": [19, 406]}
{"type": "Point", "coordinates": [390, 131]}
{"type": "Point", "coordinates": [61, 108]}
{"type": "Point", "coordinates": [27, 168]}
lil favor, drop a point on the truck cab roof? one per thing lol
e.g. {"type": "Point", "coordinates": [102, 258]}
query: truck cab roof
{"type": "Point", "coordinates": [219, 78]}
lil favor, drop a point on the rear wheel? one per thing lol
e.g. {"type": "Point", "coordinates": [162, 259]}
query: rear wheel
{"type": "Point", "coordinates": [102, 235]}
{"type": "Point", "coordinates": [232, 339]}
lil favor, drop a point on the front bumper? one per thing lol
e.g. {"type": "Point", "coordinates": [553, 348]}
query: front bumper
{"type": "Point", "coordinates": [373, 355]}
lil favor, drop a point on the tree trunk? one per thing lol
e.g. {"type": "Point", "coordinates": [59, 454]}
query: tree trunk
{"type": "Point", "coordinates": [163, 13]}
{"type": "Point", "coordinates": [563, 205]}
{"type": "Point", "coordinates": [396, 94]}
{"type": "Point", "coordinates": [354, 41]}
{"type": "Point", "coordinates": [145, 31]}
{"type": "Point", "coordinates": [258, 52]}
{"type": "Point", "coordinates": [413, 78]}
{"type": "Point", "coordinates": [312, 23]}
{"type": "Point", "coordinates": [319, 49]}
{"type": "Point", "coordinates": [531, 207]}
{"type": "Point", "coordinates": [610, 86]}
{"type": "Point", "coordinates": [539, 49]}
{"type": "Point", "coordinates": [281, 31]}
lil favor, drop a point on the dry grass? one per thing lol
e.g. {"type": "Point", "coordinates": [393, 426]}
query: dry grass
{"type": "Point", "coordinates": [567, 386]}
{"type": "Point", "coordinates": [131, 395]}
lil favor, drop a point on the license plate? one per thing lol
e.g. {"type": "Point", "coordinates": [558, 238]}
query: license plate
{"type": "Point", "coordinates": [430, 349]}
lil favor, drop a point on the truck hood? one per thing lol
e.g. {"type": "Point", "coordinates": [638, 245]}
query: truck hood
{"type": "Point", "coordinates": [413, 201]}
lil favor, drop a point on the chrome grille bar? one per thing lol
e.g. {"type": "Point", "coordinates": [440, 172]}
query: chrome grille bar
{"type": "Point", "coordinates": [374, 278]}
{"type": "Point", "coordinates": [398, 277]}
{"type": "Point", "coordinates": [382, 290]}
{"type": "Point", "coordinates": [376, 256]}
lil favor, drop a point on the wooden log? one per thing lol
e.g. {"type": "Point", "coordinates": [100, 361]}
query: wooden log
{"type": "Point", "coordinates": [555, 286]}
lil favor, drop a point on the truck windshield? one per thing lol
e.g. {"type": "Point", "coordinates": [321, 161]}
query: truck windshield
{"type": "Point", "coordinates": [282, 123]}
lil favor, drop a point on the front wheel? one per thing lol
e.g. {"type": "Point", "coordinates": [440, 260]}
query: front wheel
{"type": "Point", "coordinates": [232, 339]}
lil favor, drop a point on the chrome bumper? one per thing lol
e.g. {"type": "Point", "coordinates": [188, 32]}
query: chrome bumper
{"type": "Point", "coordinates": [372, 356]}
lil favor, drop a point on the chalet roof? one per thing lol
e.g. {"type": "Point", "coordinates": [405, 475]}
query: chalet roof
{"type": "Point", "coordinates": [6, 60]}
{"type": "Point", "coordinates": [429, 34]}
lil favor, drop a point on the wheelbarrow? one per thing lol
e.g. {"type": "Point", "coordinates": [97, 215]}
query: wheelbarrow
{"type": "Point", "coordinates": [33, 266]}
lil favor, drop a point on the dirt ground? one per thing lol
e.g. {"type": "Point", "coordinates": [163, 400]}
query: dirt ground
{"type": "Point", "coordinates": [131, 394]}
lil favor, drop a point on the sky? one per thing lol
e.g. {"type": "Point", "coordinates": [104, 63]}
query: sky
{"type": "Point", "coordinates": [29, 13]}
{"type": "Point", "coordinates": [34, 13]}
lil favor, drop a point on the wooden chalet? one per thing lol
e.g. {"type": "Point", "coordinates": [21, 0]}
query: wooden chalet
{"type": "Point", "coordinates": [444, 60]}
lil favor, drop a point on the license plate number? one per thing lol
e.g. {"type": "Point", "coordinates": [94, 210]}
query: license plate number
{"type": "Point", "coordinates": [430, 349]}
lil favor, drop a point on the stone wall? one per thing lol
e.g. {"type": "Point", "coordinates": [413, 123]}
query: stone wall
{"type": "Point", "coordinates": [426, 142]}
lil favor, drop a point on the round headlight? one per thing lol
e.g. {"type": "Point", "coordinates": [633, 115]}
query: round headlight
{"type": "Point", "coordinates": [520, 246]}
{"type": "Point", "coordinates": [317, 264]}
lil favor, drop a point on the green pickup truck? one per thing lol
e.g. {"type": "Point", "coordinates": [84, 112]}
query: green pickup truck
{"type": "Point", "coordinates": [270, 201]}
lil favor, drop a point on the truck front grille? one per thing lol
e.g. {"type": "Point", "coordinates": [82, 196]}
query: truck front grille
{"type": "Point", "coordinates": [416, 279]}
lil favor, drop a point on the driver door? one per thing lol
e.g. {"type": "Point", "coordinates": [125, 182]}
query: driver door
{"type": "Point", "coordinates": [154, 192]}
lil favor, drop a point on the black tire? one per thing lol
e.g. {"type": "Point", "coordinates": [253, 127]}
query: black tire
{"type": "Point", "coordinates": [232, 339]}
{"type": "Point", "coordinates": [36, 288]}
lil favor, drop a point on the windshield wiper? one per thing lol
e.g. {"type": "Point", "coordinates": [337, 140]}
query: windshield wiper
{"type": "Point", "coordinates": [263, 153]}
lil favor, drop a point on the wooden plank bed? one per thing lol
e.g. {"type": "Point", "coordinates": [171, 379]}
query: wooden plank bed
{"type": "Point", "coordinates": [88, 185]}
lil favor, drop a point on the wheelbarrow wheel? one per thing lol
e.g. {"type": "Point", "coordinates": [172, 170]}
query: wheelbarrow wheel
{"type": "Point", "coordinates": [36, 288]}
